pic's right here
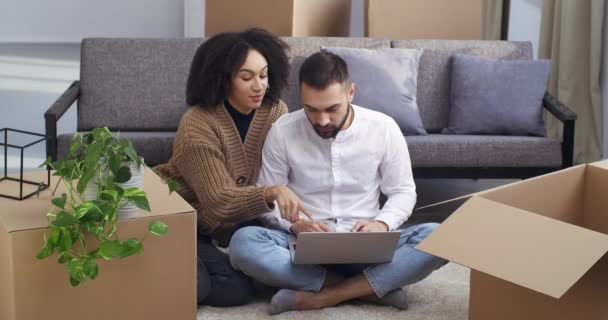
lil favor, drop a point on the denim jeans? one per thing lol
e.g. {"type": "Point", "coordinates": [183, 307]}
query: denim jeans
{"type": "Point", "coordinates": [263, 254]}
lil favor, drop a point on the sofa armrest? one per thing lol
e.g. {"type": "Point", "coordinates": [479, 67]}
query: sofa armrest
{"type": "Point", "coordinates": [567, 117]}
{"type": "Point", "coordinates": [558, 109]}
{"type": "Point", "coordinates": [52, 115]}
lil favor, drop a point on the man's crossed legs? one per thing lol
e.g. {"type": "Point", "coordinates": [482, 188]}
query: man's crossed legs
{"type": "Point", "coordinates": [264, 254]}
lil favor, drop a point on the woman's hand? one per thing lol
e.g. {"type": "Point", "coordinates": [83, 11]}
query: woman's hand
{"type": "Point", "coordinates": [308, 226]}
{"type": "Point", "coordinates": [289, 204]}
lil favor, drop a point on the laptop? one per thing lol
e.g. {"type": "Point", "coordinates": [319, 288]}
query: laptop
{"type": "Point", "coordinates": [343, 247]}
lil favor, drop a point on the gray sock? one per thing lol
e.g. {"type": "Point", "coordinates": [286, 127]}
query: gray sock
{"type": "Point", "coordinates": [284, 300]}
{"type": "Point", "coordinates": [396, 298]}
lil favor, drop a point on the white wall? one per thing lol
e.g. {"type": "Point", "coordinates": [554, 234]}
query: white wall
{"type": "Point", "coordinates": [72, 20]}
{"type": "Point", "coordinates": [524, 22]}
{"type": "Point", "coordinates": [194, 18]}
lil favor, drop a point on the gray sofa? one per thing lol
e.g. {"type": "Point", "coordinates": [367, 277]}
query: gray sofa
{"type": "Point", "coordinates": [137, 86]}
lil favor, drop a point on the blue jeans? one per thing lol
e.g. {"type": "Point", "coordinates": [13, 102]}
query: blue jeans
{"type": "Point", "coordinates": [264, 254]}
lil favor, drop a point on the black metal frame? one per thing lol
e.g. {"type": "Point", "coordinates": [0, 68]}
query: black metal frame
{"type": "Point", "coordinates": [504, 19]}
{"type": "Point", "coordinates": [6, 145]}
{"type": "Point", "coordinates": [56, 111]}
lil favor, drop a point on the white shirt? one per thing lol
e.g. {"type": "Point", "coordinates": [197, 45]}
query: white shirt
{"type": "Point", "coordinates": [339, 180]}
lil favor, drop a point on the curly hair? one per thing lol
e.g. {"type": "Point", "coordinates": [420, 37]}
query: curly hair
{"type": "Point", "coordinates": [219, 58]}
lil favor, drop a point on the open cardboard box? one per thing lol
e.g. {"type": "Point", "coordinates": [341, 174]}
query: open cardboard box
{"type": "Point", "coordinates": [537, 248]}
{"type": "Point", "coordinates": [159, 283]}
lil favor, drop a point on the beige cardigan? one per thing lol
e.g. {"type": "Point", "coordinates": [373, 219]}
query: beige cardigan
{"type": "Point", "coordinates": [218, 172]}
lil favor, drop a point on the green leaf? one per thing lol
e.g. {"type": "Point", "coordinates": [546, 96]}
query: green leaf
{"type": "Point", "coordinates": [123, 175]}
{"type": "Point", "coordinates": [63, 258]}
{"type": "Point", "coordinates": [64, 219]}
{"type": "Point", "coordinates": [130, 247]}
{"type": "Point", "coordinates": [173, 185]}
{"type": "Point", "coordinates": [91, 268]}
{"type": "Point", "coordinates": [76, 272]}
{"type": "Point", "coordinates": [110, 249]}
{"type": "Point", "coordinates": [140, 202]}
{"type": "Point", "coordinates": [45, 252]}
{"type": "Point", "coordinates": [60, 202]}
{"type": "Point", "coordinates": [74, 282]}
{"type": "Point", "coordinates": [84, 208]}
{"type": "Point", "coordinates": [76, 146]}
{"type": "Point", "coordinates": [90, 165]}
{"type": "Point", "coordinates": [54, 237]}
{"type": "Point", "coordinates": [114, 164]}
{"type": "Point", "coordinates": [65, 241]}
{"type": "Point", "coordinates": [46, 162]}
{"type": "Point", "coordinates": [158, 228]}
{"type": "Point", "coordinates": [108, 195]}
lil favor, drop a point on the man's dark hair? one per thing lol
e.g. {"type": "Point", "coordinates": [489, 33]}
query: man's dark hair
{"type": "Point", "coordinates": [220, 57]}
{"type": "Point", "coordinates": [322, 69]}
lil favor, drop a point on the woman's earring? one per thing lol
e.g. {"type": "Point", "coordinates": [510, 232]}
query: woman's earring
{"type": "Point", "coordinates": [267, 88]}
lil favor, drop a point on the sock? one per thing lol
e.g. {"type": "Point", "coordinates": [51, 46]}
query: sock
{"type": "Point", "coordinates": [284, 300]}
{"type": "Point", "coordinates": [396, 298]}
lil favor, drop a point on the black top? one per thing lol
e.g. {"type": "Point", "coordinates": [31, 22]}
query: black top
{"type": "Point", "coordinates": [241, 121]}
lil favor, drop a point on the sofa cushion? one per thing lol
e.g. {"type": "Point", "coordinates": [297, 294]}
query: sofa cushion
{"type": "Point", "coordinates": [385, 80]}
{"type": "Point", "coordinates": [134, 83]}
{"type": "Point", "coordinates": [434, 72]}
{"type": "Point", "coordinates": [490, 96]}
{"type": "Point", "coordinates": [302, 47]}
{"type": "Point", "coordinates": [155, 147]}
{"type": "Point", "coordinates": [442, 150]}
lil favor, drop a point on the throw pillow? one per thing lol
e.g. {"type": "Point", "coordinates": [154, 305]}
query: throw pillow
{"type": "Point", "coordinates": [386, 81]}
{"type": "Point", "coordinates": [490, 96]}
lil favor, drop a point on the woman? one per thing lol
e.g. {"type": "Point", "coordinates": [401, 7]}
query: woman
{"type": "Point", "coordinates": [233, 89]}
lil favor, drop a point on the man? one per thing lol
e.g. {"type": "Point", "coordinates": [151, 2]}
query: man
{"type": "Point", "coordinates": [336, 158]}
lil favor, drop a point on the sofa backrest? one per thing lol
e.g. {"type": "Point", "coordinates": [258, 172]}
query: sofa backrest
{"type": "Point", "coordinates": [140, 84]}
{"type": "Point", "coordinates": [302, 47]}
{"type": "Point", "coordinates": [134, 84]}
{"type": "Point", "coordinates": [433, 92]}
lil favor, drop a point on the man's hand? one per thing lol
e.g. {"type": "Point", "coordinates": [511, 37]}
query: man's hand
{"type": "Point", "coordinates": [370, 226]}
{"type": "Point", "coordinates": [308, 226]}
{"type": "Point", "coordinates": [289, 204]}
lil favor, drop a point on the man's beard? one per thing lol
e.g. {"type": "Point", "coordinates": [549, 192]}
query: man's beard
{"type": "Point", "coordinates": [326, 132]}
{"type": "Point", "coordinates": [330, 131]}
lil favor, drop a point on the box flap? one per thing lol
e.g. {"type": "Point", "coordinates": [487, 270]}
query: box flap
{"type": "Point", "coordinates": [521, 247]}
{"type": "Point", "coordinates": [31, 213]}
{"type": "Point", "coordinates": [600, 164]}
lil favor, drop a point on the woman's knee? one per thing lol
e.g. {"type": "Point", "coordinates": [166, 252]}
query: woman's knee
{"type": "Point", "coordinates": [203, 281]}
{"type": "Point", "coordinates": [234, 289]}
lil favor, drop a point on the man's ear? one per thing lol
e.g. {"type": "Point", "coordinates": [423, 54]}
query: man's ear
{"type": "Point", "coordinates": [351, 92]}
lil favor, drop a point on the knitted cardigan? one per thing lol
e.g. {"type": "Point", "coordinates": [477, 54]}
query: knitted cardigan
{"type": "Point", "coordinates": [218, 172]}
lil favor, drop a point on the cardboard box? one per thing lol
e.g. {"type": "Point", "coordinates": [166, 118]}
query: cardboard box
{"type": "Point", "coordinates": [424, 19]}
{"type": "Point", "coordinates": [537, 248]}
{"type": "Point", "coordinates": [298, 18]}
{"type": "Point", "coordinates": [159, 284]}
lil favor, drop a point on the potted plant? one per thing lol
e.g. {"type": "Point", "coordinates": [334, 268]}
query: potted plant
{"type": "Point", "coordinates": [94, 174]}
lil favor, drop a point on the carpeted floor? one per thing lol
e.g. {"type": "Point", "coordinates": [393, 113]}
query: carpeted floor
{"type": "Point", "coordinates": [444, 295]}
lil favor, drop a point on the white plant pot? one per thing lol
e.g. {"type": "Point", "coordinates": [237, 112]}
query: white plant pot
{"type": "Point", "coordinates": [127, 209]}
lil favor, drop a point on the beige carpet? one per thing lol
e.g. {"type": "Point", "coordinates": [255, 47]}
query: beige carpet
{"type": "Point", "coordinates": [442, 296]}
